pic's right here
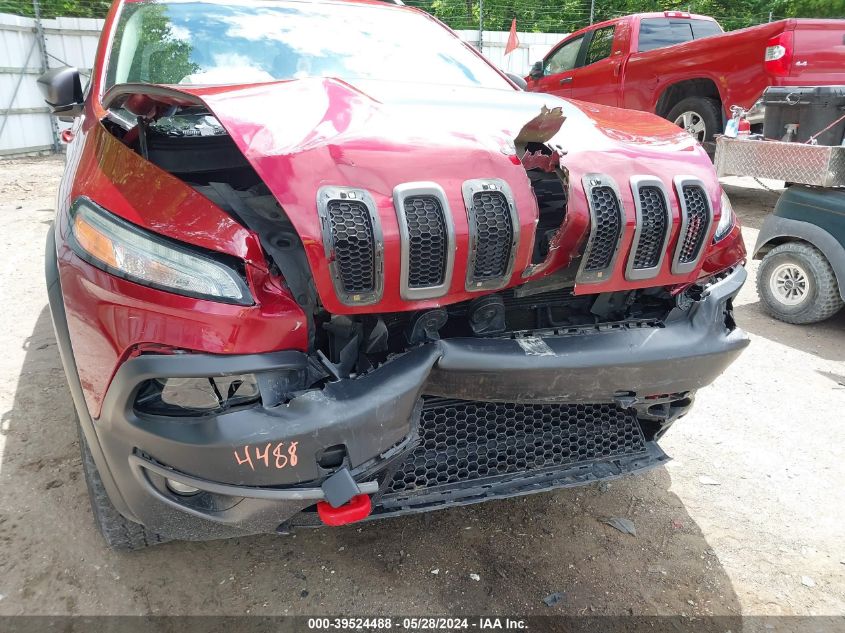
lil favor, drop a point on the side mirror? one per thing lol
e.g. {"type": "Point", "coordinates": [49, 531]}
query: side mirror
{"type": "Point", "coordinates": [519, 81]}
{"type": "Point", "coordinates": [536, 71]}
{"type": "Point", "coordinates": [62, 90]}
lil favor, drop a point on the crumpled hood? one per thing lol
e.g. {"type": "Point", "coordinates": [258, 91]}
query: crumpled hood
{"type": "Point", "coordinates": [295, 116]}
{"type": "Point", "coordinates": [302, 135]}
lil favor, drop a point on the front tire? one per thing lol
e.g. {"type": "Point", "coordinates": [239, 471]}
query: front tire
{"type": "Point", "coordinates": [700, 116]}
{"type": "Point", "coordinates": [119, 532]}
{"type": "Point", "coordinates": [797, 285]}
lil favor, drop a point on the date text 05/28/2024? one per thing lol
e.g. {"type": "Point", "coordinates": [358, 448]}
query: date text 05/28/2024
{"type": "Point", "coordinates": [417, 624]}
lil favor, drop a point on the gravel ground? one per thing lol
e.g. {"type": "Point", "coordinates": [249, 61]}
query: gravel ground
{"type": "Point", "coordinates": [764, 535]}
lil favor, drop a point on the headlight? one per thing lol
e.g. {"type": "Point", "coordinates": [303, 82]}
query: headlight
{"type": "Point", "coordinates": [127, 251]}
{"type": "Point", "coordinates": [726, 222]}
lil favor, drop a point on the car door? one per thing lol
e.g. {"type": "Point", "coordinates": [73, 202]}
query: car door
{"type": "Point", "coordinates": [558, 68]}
{"type": "Point", "coordinates": [597, 76]}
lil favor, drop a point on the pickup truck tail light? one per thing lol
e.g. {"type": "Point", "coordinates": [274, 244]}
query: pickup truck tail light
{"type": "Point", "coordinates": [778, 56]}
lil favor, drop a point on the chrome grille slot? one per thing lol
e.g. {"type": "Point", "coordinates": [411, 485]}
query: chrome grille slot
{"type": "Point", "coordinates": [494, 233]}
{"type": "Point", "coordinates": [353, 240]}
{"type": "Point", "coordinates": [697, 218]}
{"type": "Point", "coordinates": [654, 225]}
{"type": "Point", "coordinates": [647, 253]}
{"type": "Point", "coordinates": [608, 228]}
{"type": "Point", "coordinates": [427, 241]}
{"type": "Point", "coordinates": [607, 220]}
{"type": "Point", "coordinates": [697, 224]}
{"type": "Point", "coordinates": [353, 243]}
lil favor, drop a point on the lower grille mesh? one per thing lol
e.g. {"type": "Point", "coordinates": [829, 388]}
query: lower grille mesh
{"type": "Point", "coordinates": [353, 243]}
{"type": "Point", "coordinates": [653, 230]}
{"type": "Point", "coordinates": [494, 234]}
{"type": "Point", "coordinates": [695, 200]}
{"type": "Point", "coordinates": [467, 440]}
{"type": "Point", "coordinates": [607, 230]}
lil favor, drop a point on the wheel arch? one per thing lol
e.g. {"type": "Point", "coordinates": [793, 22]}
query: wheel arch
{"type": "Point", "coordinates": [777, 230]}
{"type": "Point", "coordinates": [676, 92]}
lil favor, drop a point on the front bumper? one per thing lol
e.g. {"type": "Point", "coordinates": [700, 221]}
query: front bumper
{"type": "Point", "coordinates": [377, 418]}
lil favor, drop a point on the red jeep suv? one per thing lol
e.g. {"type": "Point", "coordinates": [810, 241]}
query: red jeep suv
{"type": "Point", "coordinates": [316, 262]}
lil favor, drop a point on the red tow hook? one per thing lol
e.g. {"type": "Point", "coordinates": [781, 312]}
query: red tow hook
{"type": "Point", "coordinates": [357, 508]}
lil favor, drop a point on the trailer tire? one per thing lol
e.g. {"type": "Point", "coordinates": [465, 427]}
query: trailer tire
{"type": "Point", "coordinates": [797, 265]}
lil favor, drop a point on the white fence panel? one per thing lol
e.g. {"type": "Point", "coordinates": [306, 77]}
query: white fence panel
{"type": "Point", "coordinates": [25, 124]}
{"type": "Point", "coordinates": [532, 48]}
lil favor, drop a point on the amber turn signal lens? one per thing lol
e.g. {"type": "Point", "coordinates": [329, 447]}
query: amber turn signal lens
{"type": "Point", "coordinates": [95, 243]}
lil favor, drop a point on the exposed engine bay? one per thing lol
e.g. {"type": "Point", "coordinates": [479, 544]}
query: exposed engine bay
{"type": "Point", "coordinates": [193, 146]}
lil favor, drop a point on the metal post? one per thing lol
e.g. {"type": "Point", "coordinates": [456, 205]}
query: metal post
{"type": "Point", "coordinates": [592, 10]}
{"type": "Point", "coordinates": [770, 16]}
{"type": "Point", "coordinates": [480, 26]}
{"type": "Point", "coordinates": [45, 64]}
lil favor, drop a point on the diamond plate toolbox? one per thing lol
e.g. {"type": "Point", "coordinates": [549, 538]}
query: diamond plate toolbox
{"type": "Point", "coordinates": [820, 165]}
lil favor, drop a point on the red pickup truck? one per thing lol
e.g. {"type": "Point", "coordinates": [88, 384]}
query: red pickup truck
{"type": "Point", "coordinates": [686, 69]}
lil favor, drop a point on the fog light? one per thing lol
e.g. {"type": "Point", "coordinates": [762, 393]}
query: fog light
{"type": "Point", "coordinates": [196, 396]}
{"type": "Point", "coordinates": [181, 489]}
{"type": "Point", "coordinates": [207, 393]}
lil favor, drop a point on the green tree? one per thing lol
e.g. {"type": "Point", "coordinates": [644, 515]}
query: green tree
{"type": "Point", "coordinates": [531, 15]}
{"type": "Point", "coordinates": [54, 8]}
{"type": "Point", "coordinates": [570, 15]}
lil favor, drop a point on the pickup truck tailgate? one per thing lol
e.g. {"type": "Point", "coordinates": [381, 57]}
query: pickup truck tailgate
{"type": "Point", "coordinates": [818, 51]}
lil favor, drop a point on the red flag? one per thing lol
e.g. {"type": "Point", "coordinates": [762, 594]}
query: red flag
{"type": "Point", "coordinates": [513, 40]}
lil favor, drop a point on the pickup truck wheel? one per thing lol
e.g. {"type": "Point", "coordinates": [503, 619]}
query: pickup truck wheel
{"type": "Point", "coordinates": [119, 532]}
{"type": "Point", "coordinates": [797, 284]}
{"type": "Point", "coordinates": [699, 116]}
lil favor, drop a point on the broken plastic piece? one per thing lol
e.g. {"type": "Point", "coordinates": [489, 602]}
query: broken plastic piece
{"type": "Point", "coordinates": [340, 488]}
{"type": "Point", "coordinates": [358, 509]}
{"type": "Point", "coordinates": [542, 127]}
{"type": "Point", "coordinates": [626, 526]}
{"type": "Point", "coordinates": [377, 339]}
{"type": "Point", "coordinates": [544, 162]}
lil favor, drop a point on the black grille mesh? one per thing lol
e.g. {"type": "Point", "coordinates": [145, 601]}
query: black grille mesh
{"type": "Point", "coordinates": [427, 241]}
{"type": "Point", "coordinates": [608, 228]}
{"type": "Point", "coordinates": [696, 201]}
{"type": "Point", "coordinates": [494, 234]}
{"type": "Point", "coordinates": [466, 440]}
{"type": "Point", "coordinates": [354, 245]}
{"type": "Point", "coordinates": [653, 228]}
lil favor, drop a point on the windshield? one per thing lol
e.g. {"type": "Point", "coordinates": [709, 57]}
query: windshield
{"type": "Point", "coordinates": [227, 43]}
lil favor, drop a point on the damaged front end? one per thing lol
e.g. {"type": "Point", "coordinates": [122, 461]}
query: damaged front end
{"type": "Point", "coordinates": [436, 300]}
{"type": "Point", "coordinates": [502, 322]}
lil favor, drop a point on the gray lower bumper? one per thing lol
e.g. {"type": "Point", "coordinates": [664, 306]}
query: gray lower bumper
{"type": "Point", "coordinates": [375, 416]}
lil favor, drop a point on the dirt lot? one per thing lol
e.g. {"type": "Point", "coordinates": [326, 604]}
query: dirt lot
{"type": "Point", "coordinates": [748, 518]}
